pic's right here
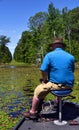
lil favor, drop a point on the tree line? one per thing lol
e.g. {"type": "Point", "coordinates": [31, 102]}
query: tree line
{"type": "Point", "coordinates": [42, 28]}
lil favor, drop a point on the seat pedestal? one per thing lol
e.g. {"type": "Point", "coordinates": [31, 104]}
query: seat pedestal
{"type": "Point", "coordinates": [57, 122]}
{"type": "Point", "coordinates": [60, 94]}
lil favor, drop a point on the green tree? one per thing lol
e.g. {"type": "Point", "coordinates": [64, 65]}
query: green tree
{"type": "Point", "coordinates": [4, 40]}
{"type": "Point", "coordinates": [37, 21]}
{"type": "Point", "coordinates": [43, 27]}
{"type": "Point", "coordinates": [52, 19]}
{"type": "Point", "coordinates": [30, 41]}
{"type": "Point", "coordinates": [74, 15]}
{"type": "Point", "coordinates": [5, 54]}
{"type": "Point", "coordinates": [24, 49]}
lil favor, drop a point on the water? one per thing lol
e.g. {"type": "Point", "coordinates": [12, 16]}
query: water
{"type": "Point", "coordinates": [16, 89]}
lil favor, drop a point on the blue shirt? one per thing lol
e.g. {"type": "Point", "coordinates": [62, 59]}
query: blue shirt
{"type": "Point", "coordinates": [59, 65]}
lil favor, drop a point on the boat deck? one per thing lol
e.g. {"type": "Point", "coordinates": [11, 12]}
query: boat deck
{"type": "Point", "coordinates": [70, 112]}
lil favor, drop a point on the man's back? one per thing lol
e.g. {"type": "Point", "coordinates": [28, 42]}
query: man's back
{"type": "Point", "coordinates": [60, 67]}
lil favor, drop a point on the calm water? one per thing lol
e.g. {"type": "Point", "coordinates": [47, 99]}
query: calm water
{"type": "Point", "coordinates": [16, 88]}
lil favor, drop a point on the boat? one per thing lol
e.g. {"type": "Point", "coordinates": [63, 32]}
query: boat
{"type": "Point", "coordinates": [48, 116]}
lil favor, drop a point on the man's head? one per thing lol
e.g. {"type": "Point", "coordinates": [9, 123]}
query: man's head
{"type": "Point", "coordinates": [58, 43]}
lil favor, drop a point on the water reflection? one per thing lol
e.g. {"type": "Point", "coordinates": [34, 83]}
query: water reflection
{"type": "Point", "coordinates": [10, 66]}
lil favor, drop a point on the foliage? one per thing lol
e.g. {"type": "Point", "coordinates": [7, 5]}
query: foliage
{"type": "Point", "coordinates": [24, 52]}
{"type": "Point", "coordinates": [5, 54]}
{"type": "Point", "coordinates": [74, 18]}
{"type": "Point", "coordinates": [4, 40]}
{"type": "Point", "coordinates": [43, 27]}
{"type": "Point", "coordinates": [36, 22]}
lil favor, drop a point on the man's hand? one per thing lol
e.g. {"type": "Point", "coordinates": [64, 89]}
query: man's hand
{"type": "Point", "coordinates": [42, 81]}
{"type": "Point", "coordinates": [44, 77]}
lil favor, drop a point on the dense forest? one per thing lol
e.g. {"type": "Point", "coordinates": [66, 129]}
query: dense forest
{"type": "Point", "coordinates": [43, 27]}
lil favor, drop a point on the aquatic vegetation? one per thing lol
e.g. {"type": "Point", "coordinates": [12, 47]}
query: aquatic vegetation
{"type": "Point", "coordinates": [16, 90]}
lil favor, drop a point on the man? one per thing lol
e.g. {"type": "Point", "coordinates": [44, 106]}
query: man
{"type": "Point", "coordinates": [58, 69]}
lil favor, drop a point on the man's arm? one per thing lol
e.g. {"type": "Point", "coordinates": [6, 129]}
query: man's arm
{"type": "Point", "coordinates": [44, 76]}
